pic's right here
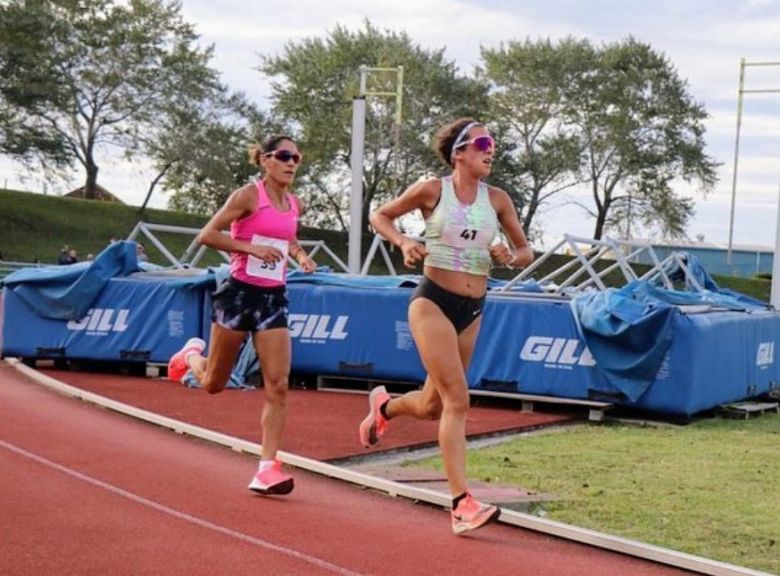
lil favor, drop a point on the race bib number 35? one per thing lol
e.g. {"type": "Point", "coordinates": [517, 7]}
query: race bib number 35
{"type": "Point", "coordinates": [268, 270]}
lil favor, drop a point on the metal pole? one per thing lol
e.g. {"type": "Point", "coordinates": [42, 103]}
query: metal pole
{"type": "Point", "coordinates": [774, 298]}
{"type": "Point", "coordinates": [356, 161]}
{"type": "Point", "coordinates": [358, 142]}
{"type": "Point", "coordinates": [736, 158]}
{"type": "Point", "coordinates": [399, 96]}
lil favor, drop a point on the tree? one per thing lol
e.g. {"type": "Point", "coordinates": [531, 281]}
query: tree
{"type": "Point", "coordinates": [29, 84]}
{"type": "Point", "coordinates": [640, 130]}
{"type": "Point", "coordinates": [111, 64]}
{"type": "Point", "coordinates": [313, 84]}
{"type": "Point", "coordinates": [201, 153]}
{"type": "Point", "coordinates": [529, 104]}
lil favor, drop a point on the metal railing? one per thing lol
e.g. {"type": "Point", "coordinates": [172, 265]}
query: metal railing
{"type": "Point", "coordinates": [581, 272]}
{"type": "Point", "coordinates": [7, 267]}
{"type": "Point", "coordinates": [194, 252]}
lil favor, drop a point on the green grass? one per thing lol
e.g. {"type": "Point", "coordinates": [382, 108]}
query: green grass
{"type": "Point", "coordinates": [37, 226]}
{"type": "Point", "coordinates": [711, 488]}
{"type": "Point", "coordinates": [758, 287]}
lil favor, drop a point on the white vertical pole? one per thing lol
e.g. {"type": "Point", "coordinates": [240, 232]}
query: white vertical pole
{"type": "Point", "coordinates": [356, 161]}
{"type": "Point", "coordinates": [358, 141]}
{"type": "Point", "coordinates": [774, 297]}
{"type": "Point", "coordinates": [736, 157]}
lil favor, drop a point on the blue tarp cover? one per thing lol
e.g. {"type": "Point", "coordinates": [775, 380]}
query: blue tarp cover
{"type": "Point", "coordinates": [629, 330]}
{"type": "Point", "coordinates": [67, 292]}
{"type": "Point", "coordinates": [628, 334]}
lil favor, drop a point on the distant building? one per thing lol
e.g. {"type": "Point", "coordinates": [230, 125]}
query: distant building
{"type": "Point", "coordinates": [746, 260]}
{"type": "Point", "coordinates": [102, 195]}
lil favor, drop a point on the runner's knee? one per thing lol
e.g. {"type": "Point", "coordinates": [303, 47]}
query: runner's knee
{"type": "Point", "coordinates": [457, 404]}
{"type": "Point", "coordinates": [276, 389]}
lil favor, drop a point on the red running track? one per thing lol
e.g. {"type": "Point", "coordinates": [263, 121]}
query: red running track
{"type": "Point", "coordinates": [320, 425]}
{"type": "Point", "coordinates": [89, 491]}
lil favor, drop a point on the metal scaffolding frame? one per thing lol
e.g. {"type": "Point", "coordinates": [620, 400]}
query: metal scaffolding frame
{"type": "Point", "coordinates": [580, 273]}
{"type": "Point", "coordinates": [195, 251]}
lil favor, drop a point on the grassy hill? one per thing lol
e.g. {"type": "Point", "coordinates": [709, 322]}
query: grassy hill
{"type": "Point", "coordinates": [37, 226]}
{"type": "Point", "coordinates": [34, 226]}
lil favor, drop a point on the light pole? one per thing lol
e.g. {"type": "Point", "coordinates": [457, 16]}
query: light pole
{"type": "Point", "coordinates": [774, 294]}
{"type": "Point", "coordinates": [742, 66]}
{"type": "Point", "coordinates": [356, 158]}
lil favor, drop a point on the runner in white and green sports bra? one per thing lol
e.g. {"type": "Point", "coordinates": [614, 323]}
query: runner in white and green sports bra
{"type": "Point", "coordinates": [463, 215]}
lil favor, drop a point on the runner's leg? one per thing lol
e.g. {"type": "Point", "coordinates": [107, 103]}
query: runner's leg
{"type": "Point", "coordinates": [274, 352]}
{"type": "Point", "coordinates": [213, 371]}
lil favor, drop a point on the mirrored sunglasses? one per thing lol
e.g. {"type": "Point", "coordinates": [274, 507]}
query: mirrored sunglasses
{"type": "Point", "coordinates": [284, 156]}
{"type": "Point", "coordinates": [481, 143]}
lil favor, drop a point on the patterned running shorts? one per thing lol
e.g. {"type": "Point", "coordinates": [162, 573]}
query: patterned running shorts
{"type": "Point", "coordinates": [243, 307]}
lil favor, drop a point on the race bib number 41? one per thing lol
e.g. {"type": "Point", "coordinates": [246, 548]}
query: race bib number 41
{"type": "Point", "coordinates": [268, 270]}
{"type": "Point", "coordinates": [464, 237]}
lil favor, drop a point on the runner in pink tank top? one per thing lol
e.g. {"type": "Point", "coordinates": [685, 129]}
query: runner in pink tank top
{"type": "Point", "coordinates": [269, 226]}
{"type": "Point", "coordinates": [263, 221]}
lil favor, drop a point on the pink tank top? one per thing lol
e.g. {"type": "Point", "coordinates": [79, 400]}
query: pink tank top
{"type": "Point", "coordinates": [269, 227]}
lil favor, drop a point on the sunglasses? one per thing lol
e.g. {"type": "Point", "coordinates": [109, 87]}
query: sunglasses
{"type": "Point", "coordinates": [284, 156]}
{"type": "Point", "coordinates": [481, 143]}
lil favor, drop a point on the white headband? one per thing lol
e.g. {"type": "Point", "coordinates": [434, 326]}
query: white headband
{"type": "Point", "coordinates": [461, 136]}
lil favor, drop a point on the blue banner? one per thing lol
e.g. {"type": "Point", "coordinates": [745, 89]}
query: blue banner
{"type": "Point", "coordinates": [347, 327]}
{"type": "Point", "coordinates": [353, 332]}
{"type": "Point", "coordinates": [130, 320]}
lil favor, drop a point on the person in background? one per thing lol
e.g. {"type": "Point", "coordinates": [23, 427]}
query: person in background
{"type": "Point", "coordinates": [462, 215]}
{"type": "Point", "coordinates": [263, 221]}
{"type": "Point", "coordinates": [64, 258]}
{"type": "Point", "coordinates": [140, 252]}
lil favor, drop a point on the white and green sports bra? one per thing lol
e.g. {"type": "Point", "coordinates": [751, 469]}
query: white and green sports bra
{"type": "Point", "coordinates": [458, 236]}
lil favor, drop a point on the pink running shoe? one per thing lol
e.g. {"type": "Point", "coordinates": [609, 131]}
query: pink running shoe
{"type": "Point", "coordinates": [373, 426]}
{"type": "Point", "coordinates": [472, 514]}
{"type": "Point", "coordinates": [177, 365]}
{"type": "Point", "coordinates": [272, 480]}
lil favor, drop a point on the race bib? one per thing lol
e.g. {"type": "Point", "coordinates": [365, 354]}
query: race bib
{"type": "Point", "coordinates": [268, 270]}
{"type": "Point", "coordinates": [461, 236]}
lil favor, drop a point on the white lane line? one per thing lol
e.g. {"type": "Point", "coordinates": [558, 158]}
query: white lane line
{"type": "Point", "coordinates": [178, 514]}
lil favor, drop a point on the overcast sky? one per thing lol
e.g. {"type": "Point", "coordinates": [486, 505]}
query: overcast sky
{"type": "Point", "coordinates": [704, 40]}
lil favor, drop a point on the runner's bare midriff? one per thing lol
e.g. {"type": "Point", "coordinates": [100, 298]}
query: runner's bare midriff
{"type": "Point", "coordinates": [460, 283]}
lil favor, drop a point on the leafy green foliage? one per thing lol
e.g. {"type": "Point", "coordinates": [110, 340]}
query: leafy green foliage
{"type": "Point", "coordinates": [539, 155]}
{"type": "Point", "coordinates": [108, 68]}
{"type": "Point", "coordinates": [640, 130]}
{"type": "Point", "coordinates": [201, 152]}
{"type": "Point", "coordinates": [616, 117]}
{"type": "Point", "coordinates": [313, 84]}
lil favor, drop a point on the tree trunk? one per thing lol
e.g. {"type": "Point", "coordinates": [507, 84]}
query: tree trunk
{"type": "Point", "coordinates": [157, 178]}
{"type": "Point", "coordinates": [533, 206]}
{"type": "Point", "coordinates": [601, 218]}
{"type": "Point", "coordinates": [90, 188]}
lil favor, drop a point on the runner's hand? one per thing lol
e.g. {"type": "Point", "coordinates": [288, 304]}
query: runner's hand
{"type": "Point", "coordinates": [266, 253]}
{"type": "Point", "coordinates": [307, 264]}
{"type": "Point", "coordinates": [413, 252]}
{"type": "Point", "coordinates": [501, 254]}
